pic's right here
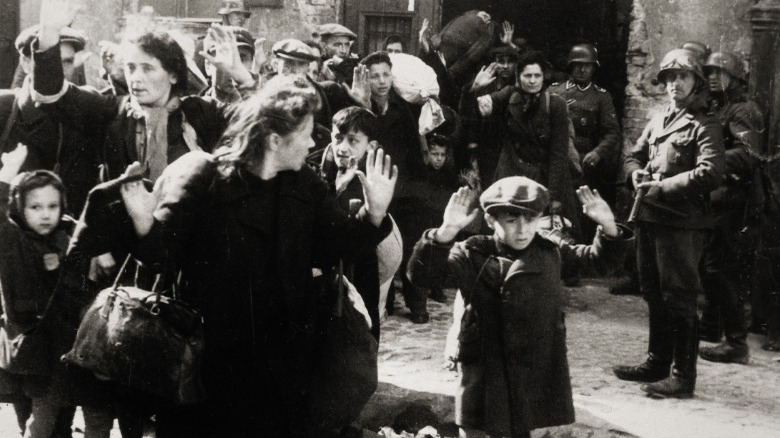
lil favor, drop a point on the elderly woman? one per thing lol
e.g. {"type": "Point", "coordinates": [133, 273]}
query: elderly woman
{"type": "Point", "coordinates": [246, 227]}
{"type": "Point", "coordinates": [537, 131]}
{"type": "Point", "coordinates": [677, 161]}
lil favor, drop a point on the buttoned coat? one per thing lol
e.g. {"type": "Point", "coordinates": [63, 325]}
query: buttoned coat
{"type": "Point", "coordinates": [687, 155]}
{"type": "Point", "coordinates": [522, 380]}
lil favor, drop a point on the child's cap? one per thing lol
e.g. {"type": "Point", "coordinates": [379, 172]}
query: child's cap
{"type": "Point", "coordinates": [515, 193]}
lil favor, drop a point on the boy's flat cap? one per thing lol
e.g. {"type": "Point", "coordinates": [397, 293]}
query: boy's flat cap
{"type": "Point", "coordinates": [335, 29]}
{"type": "Point", "coordinates": [295, 50]}
{"type": "Point", "coordinates": [515, 193]}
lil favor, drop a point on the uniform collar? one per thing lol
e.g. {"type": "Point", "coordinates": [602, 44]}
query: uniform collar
{"type": "Point", "coordinates": [571, 84]}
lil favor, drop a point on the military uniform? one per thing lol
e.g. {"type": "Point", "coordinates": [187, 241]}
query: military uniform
{"type": "Point", "coordinates": [596, 128]}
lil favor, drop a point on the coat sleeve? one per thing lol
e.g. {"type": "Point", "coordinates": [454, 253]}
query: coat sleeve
{"type": "Point", "coordinates": [558, 170]}
{"type": "Point", "coordinates": [609, 131]}
{"type": "Point", "coordinates": [81, 108]}
{"type": "Point", "coordinates": [745, 127]}
{"type": "Point", "coordinates": [602, 257]}
{"type": "Point", "coordinates": [638, 156]}
{"type": "Point", "coordinates": [440, 266]}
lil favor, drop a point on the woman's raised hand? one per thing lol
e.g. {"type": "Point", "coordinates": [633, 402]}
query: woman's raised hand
{"type": "Point", "coordinates": [597, 209]}
{"type": "Point", "coordinates": [458, 214]}
{"type": "Point", "coordinates": [139, 202]}
{"type": "Point", "coordinates": [54, 15]}
{"type": "Point", "coordinates": [378, 184]}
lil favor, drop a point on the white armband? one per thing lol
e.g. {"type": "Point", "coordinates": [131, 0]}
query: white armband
{"type": "Point", "coordinates": [485, 105]}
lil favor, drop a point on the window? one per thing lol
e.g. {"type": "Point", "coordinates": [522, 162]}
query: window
{"type": "Point", "coordinates": [379, 27]}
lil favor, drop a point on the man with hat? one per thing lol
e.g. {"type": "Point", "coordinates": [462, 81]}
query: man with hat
{"type": "Point", "coordinates": [338, 61]}
{"type": "Point", "coordinates": [514, 375]}
{"type": "Point", "coordinates": [676, 162]}
{"type": "Point", "coordinates": [728, 252]}
{"type": "Point", "coordinates": [597, 133]}
{"type": "Point", "coordinates": [234, 13]}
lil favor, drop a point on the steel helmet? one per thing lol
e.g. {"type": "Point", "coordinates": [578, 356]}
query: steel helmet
{"type": "Point", "coordinates": [697, 47]}
{"type": "Point", "coordinates": [585, 53]}
{"type": "Point", "coordinates": [680, 59]}
{"type": "Point", "coordinates": [229, 6]}
{"type": "Point", "coordinates": [728, 62]}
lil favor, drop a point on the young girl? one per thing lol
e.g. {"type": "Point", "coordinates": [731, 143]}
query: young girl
{"type": "Point", "coordinates": [33, 239]}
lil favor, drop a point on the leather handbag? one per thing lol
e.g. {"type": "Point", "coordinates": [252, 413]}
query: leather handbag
{"type": "Point", "coordinates": [144, 340]}
{"type": "Point", "coordinates": [345, 372]}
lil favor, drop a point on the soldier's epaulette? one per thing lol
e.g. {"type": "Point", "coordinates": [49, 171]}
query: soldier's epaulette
{"type": "Point", "coordinates": [599, 89]}
{"type": "Point", "coordinates": [555, 84]}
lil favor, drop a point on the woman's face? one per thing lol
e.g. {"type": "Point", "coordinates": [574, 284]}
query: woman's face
{"type": "Point", "coordinates": [531, 78]}
{"type": "Point", "coordinates": [149, 83]}
{"type": "Point", "coordinates": [679, 84]}
{"type": "Point", "coordinates": [294, 147]}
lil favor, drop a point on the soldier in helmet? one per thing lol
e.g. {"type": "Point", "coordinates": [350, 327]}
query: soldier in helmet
{"type": "Point", "coordinates": [677, 161]}
{"type": "Point", "coordinates": [597, 133]}
{"type": "Point", "coordinates": [701, 50]}
{"type": "Point", "coordinates": [234, 13]}
{"type": "Point", "coordinates": [728, 252]}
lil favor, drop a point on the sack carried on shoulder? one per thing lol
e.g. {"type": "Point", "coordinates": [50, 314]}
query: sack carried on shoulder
{"type": "Point", "coordinates": [345, 373]}
{"type": "Point", "coordinates": [143, 340]}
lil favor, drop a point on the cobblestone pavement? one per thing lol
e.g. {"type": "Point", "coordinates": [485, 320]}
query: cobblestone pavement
{"type": "Point", "coordinates": [603, 330]}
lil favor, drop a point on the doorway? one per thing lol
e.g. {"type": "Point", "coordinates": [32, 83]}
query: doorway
{"type": "Point", "coordinates": [553, 26]}
{"type": "Point", "coordinates": [9, 29]}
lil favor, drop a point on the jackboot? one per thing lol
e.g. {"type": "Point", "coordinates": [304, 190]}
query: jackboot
{"type": "Point", "coordinates": [683, 380]}
{"type": "Point", "coordinates": [772, 342]}
{"type": "Point", "coordinates": [710, 323]}
{"type": "Point", "coordinates": [732, 313]}
{"type": "Point", "coordinates": [659, 351]}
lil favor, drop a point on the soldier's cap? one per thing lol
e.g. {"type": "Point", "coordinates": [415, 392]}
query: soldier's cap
{"type": "Point", "coordinates": [502, 50]}
{"type": "Point", "coordinates": [295, 50]}
{"type": "Point", "coordinates": [67, 35]}
{"type": "Point", "coordinates": [515, 193]}
{"type": "Point", "coordinates": [233, 6]}
{"type": "Point", "coordinates": [335, 29]}
{"type": "Point", "coordinates": [244, 39]}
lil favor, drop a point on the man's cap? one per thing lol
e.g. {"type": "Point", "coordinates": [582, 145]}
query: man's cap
{"type": "Point", "coordinates": [244, 39]}
{"type": "Point", "coordinates": [295, 50]}
{"type": "Point", "coordinates": [515, 193]}
{"type": "Point", "coordinates": [502, 50]}
{"type": "Point", "coordinates": [229, 6]}
{"type": "Point", "coordinates": [335, 29]}
{"type": "Point", "coordinates": [67, 35]}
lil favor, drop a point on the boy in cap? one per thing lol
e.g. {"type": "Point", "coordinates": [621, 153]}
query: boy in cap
{"type": "Point", "coordinates": [514, 374]}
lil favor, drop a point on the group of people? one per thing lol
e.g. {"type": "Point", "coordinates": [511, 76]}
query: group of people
{"type": "Point", "coordinates": [244, 176]}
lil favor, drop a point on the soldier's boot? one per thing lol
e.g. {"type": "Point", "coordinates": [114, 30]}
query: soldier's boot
{"type": "Point", "coordinates": [682, 382]}
{"type": "Point", "coordinates": [734, 349]}
{"type": "Point", "coordinates": [710, 324]}
{"type": "Point", "coordinates": [659, 352]}
{"type": "Point", "coordinates": [772, 342]}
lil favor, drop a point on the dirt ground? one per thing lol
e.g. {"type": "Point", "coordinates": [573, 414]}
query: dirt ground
{"type": "Point", "coordinates": [603, 330]}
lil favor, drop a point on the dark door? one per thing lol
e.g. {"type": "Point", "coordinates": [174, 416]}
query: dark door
{"type": "Point", "coordinates": [375, 20]}
{"type": "Point", "coordinates": [9, 29]}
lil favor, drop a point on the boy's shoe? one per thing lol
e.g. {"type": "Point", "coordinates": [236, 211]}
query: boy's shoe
{"type": "Point", "coordinates": [671, 387]}
{"type": "Point", "coordinates": [644, 372]}
{"type": "Point", "coordinates": [725, 353]}
{"type": "Point", "coordinates": [438, 295]}
{"type": "Point", "coordinates": [419, 317]}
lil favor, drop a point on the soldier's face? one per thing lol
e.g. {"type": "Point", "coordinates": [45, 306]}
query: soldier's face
{"type": "Point", "coordinates": [582, 72]}
{"type": "Point", "coordinates": [679, 84]}
{"type": "Point", "coordinates": [531, 78]}
{"type": "Point", "coordinates": [236, 19]}
{"type": "Point", "coordinates": [718, 80]}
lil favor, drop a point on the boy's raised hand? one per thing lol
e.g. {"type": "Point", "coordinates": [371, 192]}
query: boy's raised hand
{"type": "Point", "coordinates": [458, 214]}
{"type": "Point", "coordinates": [378, 184]}
{"type": "Point", "coordinates": [596, 208]}
{"type": "Point", "coordinates": [12, 163]}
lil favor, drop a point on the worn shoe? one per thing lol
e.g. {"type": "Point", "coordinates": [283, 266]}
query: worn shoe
{"type": "Point", "coordinates": [438, 295]}
{"type": "Point", "coordinates": [671, 387]}
{"type": "Point", "coordinates": [419, 318]}
{"type": "Point", "coordinates": [709, 336]}
{"type": "Point", "coordinates": [644, 372]}
{"type": "Point", "coordinates": [725, 353]}
{"type": "Point", "coordinates": [771, 344]}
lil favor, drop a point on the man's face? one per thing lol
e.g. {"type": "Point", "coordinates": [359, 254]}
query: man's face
{"type": "Point", "coordinates": [380, 77]}
{"type": "Point", "coordinates": [582, 72]}
{"type": "Point", "coordinates": [350, 149]}
{"type": "Point", "coordinates": [505, 66]}
{"type": "Point", "coordinates": [68, 54]}
{"type": "Point", "coordinates": [337, 45]}
{"type": "Point", "coordinates": [718, 79]}
{"type": "Point", "coordinates": [394, 48]}
{"type": "Point", "coordinates": [679, 84]}
{"type": "Point", "coordinates": [289, 67]}
{"type": "Point", "coordinates": [236, 19]}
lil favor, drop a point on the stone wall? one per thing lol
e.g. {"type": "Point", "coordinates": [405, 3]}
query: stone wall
{"type": "Point", "coordinates": [658, 26]}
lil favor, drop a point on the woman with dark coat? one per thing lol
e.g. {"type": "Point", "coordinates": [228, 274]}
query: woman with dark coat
{"type": "Point", "coordinates": [537, 132]}
{"type": "Point", "coordinates": [247, 227]}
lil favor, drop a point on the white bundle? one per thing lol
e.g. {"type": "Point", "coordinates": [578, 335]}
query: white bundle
{"type": "Point", "coordinates": [417, 84]}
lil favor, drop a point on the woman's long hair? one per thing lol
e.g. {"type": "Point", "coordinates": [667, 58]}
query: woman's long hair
{"type": "Point", "coordinates": [280, 107]}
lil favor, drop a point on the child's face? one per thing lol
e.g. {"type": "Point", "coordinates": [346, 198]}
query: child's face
{"type": "Point", "coordinates": [437, 156]}
{"type": "Point", "coordinates": [42, 209]}
{"type": "Point", "coordinates": [354, 144]}
{"type": "Point", "coordinates": [515, 230]}
{"type": "Point", "coordinates": [380, 78]}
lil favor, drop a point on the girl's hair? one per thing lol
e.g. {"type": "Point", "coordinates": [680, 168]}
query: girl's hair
{"type": "Point", "coordinates": [280, 107]}
{"type": "Point", "coordinates": [162, 46]}
{"type": "Point", "coordinates": [530, 58]}
{"type": "Point", "coordinates": [26, 182]}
